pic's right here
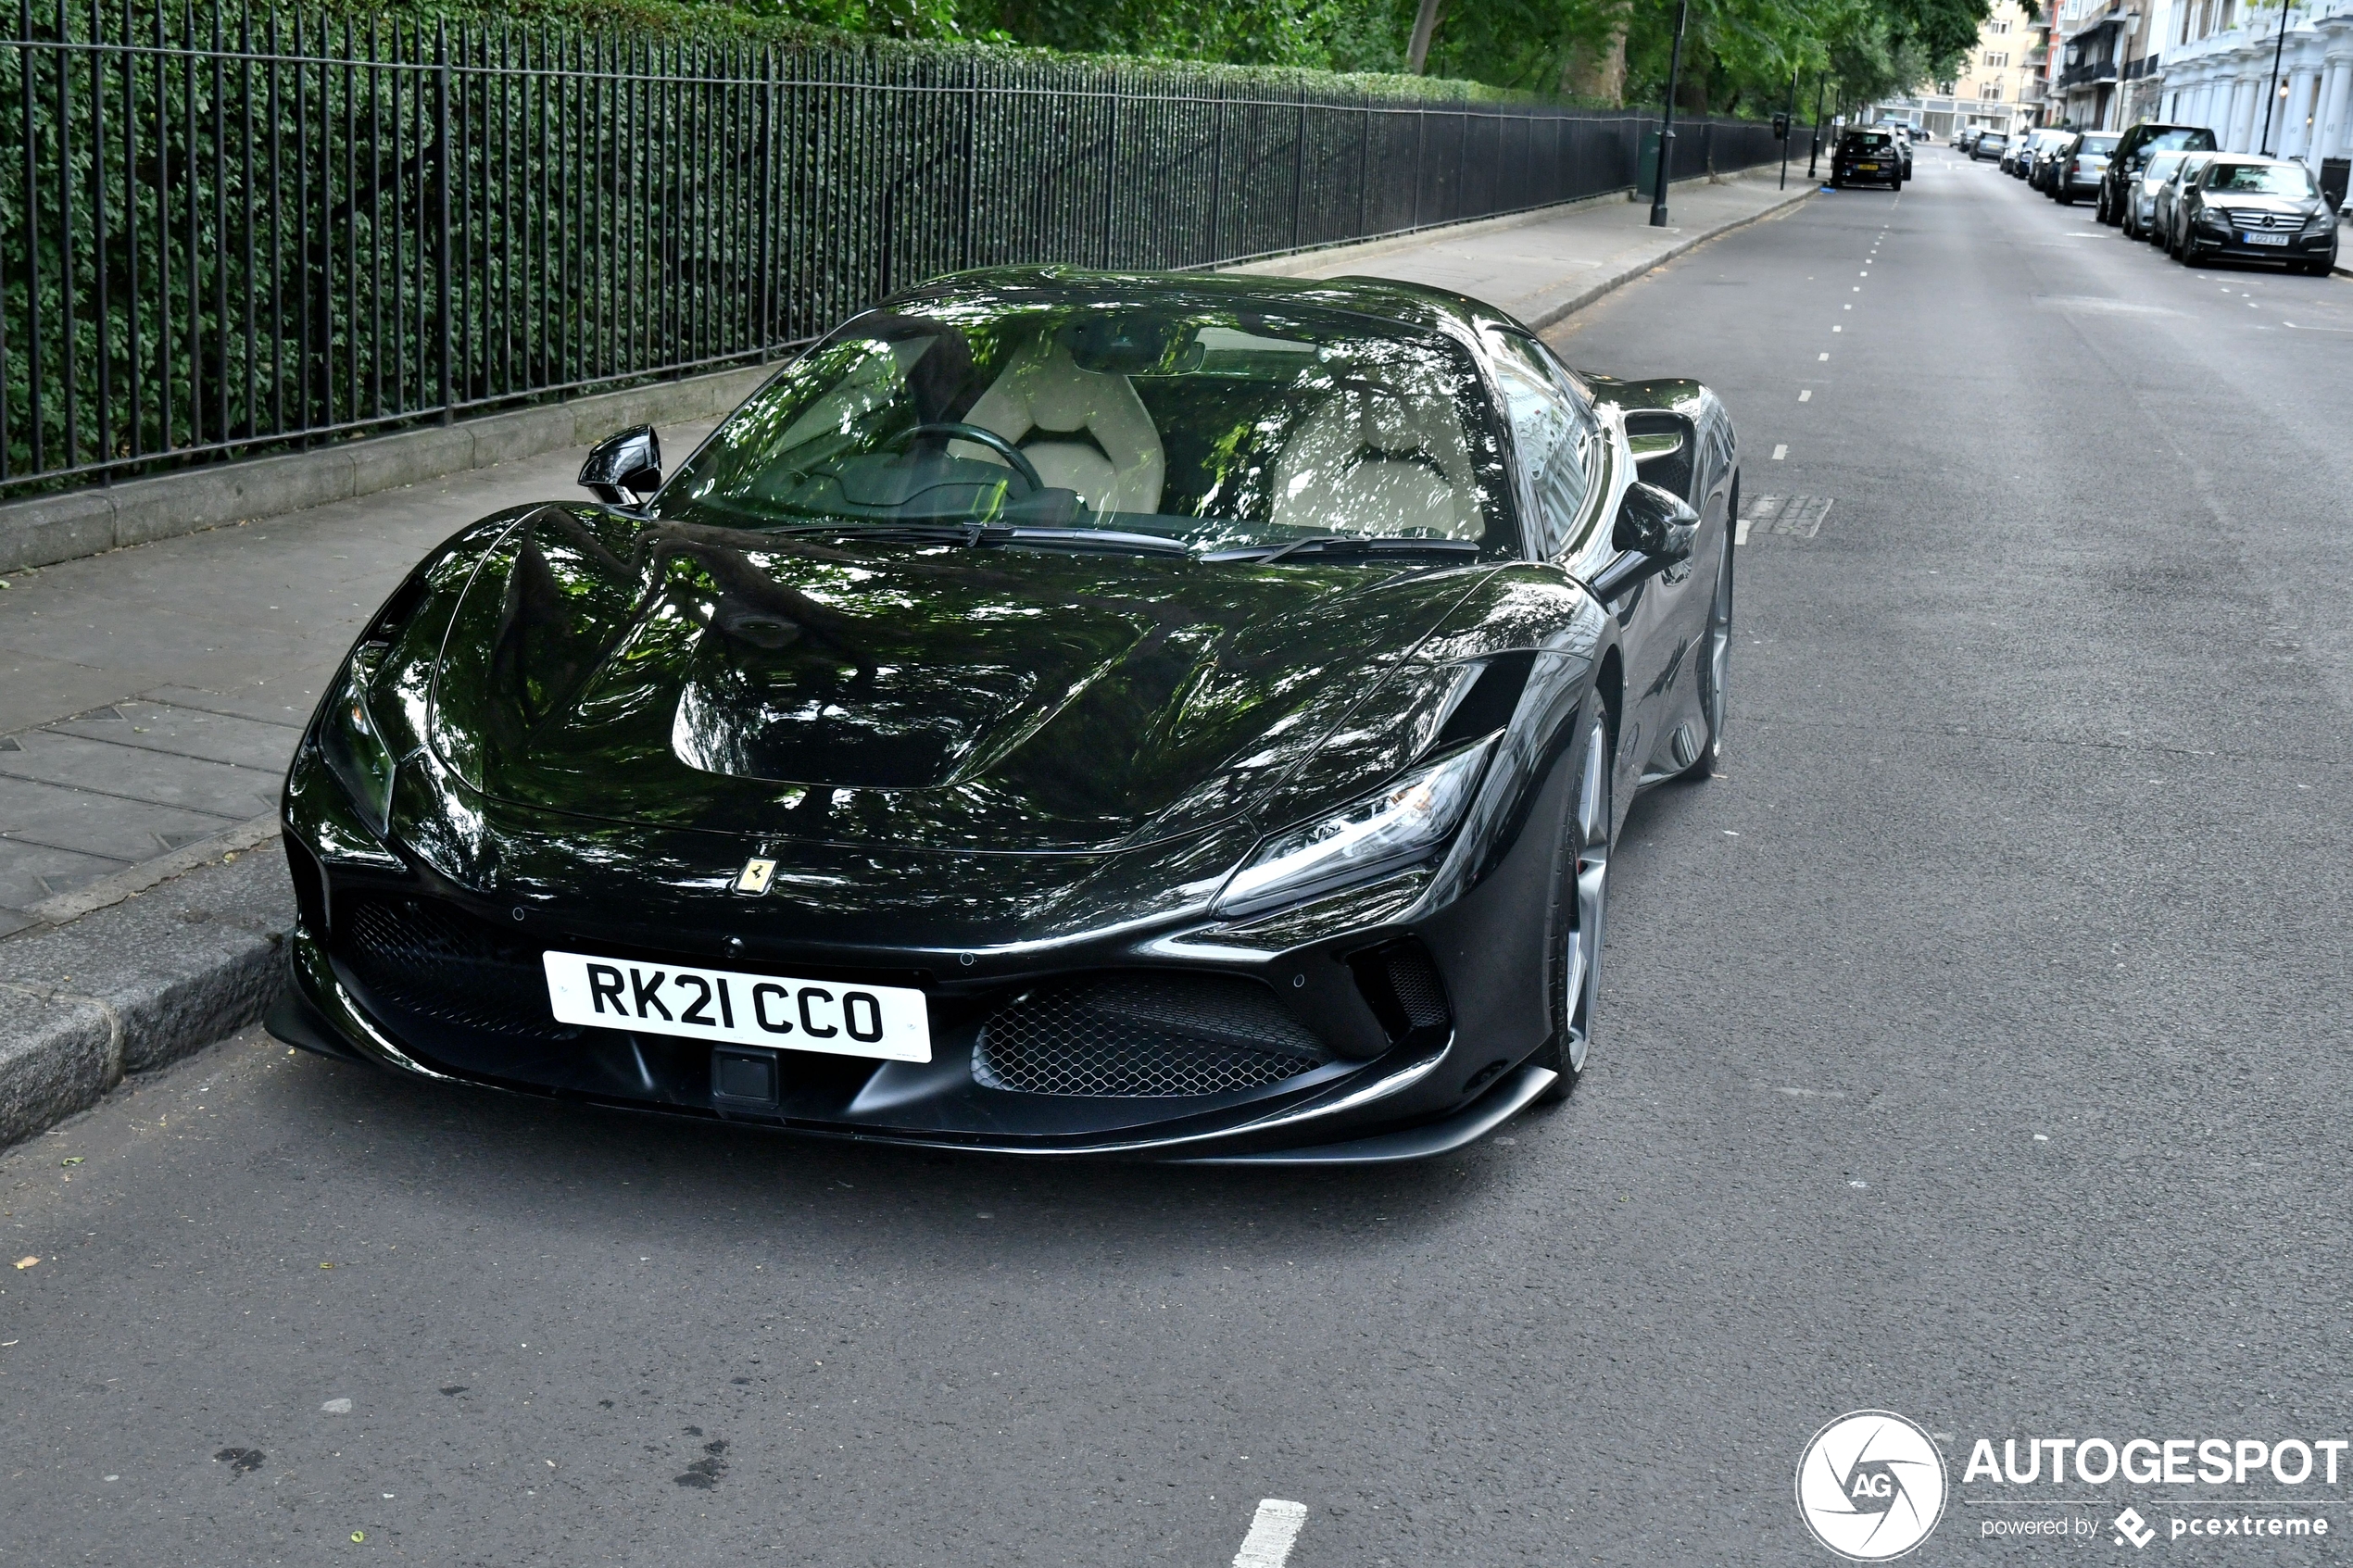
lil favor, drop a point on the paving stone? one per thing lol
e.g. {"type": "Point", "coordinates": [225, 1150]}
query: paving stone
{"type": "Point", "coordinates": [30, 872]}
{"type": "Point", "coordinates": [130, 830]}
{"type": "Point", "coordinates": [189, 731]}
{"type": "Point", "coordinates": [161, 778]}
{"type": "Point", "coordinates": [265, 704]}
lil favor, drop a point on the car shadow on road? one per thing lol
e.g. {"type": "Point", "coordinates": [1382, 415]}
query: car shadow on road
{"type": "Point", "coordinates": [717, 1187]}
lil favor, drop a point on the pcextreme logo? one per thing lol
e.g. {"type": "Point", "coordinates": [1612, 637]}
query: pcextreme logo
{"type": "Point", "coordinates": [1870, 1486]}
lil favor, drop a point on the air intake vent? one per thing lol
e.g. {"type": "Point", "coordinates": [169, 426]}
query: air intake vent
{"type": "Point", "coordinates": [1401, 984]}
{"type": "Point", "coordinates": [1143, 1035]}
{"type": "Point", "coordinates": [438, 963]}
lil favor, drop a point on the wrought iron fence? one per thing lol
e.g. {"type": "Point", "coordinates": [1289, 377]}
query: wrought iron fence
{"type": "Point", "coordinates": [227, 233]}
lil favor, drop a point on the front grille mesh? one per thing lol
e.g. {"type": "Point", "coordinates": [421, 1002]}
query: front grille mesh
{"type": "Point", "coordinates": [1143, 1035]}
{"type": "Point", "coordinates": [446, 966]}
{"type": "Point", "coordinates": [1415, 979]}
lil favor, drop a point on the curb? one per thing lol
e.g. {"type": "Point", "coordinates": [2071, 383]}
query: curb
{"type": "Point", "coordinates": [157, 976]}
{"type": "Point", "coordinates": [45, 530]}
{"type": "Point", "coordinates": [1553, 315]}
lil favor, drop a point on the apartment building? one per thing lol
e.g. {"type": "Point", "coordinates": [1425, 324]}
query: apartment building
{"type": "Point", "coordinates": [2268, 79]}
{"type": "Point", "coordinates": [2000, 85]}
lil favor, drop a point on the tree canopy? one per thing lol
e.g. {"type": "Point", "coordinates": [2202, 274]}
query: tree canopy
{"type": "Point", "coordinates": [1739, 55]}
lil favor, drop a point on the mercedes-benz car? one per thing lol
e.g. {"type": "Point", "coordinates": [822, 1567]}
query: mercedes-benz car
{"type": "Point", "coordinates": [2252, 208]}
{"type": "Point", "coordinates": [1061, 714]}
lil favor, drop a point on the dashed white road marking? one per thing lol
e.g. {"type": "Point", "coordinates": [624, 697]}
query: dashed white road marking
{"type": "Point", "coordinates": [1806, 395]}
{"type": "Point", "coordinates": [1838, 328]}
{"type": "Point", "coordinates": [1271, 1533]}
{"type": "Point", "coordinates": [1821, 357]}
{"type": "Point", "coordinates": [1780, 452]}
{"type": "Point", "coordinates": [1741, 536]}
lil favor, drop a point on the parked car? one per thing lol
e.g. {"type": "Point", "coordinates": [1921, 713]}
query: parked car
{"type": "Point", "coordinates": [2014, 154]}
{"type": "Point", "coordinates": [1989, 144]}
{"type": "Point", "coordinates": [2039, 176]}
{"type": "Point", "coordinates": [2160, 224]}
{"type": "Point", "coordinates": [2029, 156]}
{"type": "Point", "coordinates": [2139, 143]}
{"type": "Point", "coordinates": [2256, 210]}
{"type": "Point", "coordinates": [1965, 139]}
{"type": "Point", "coordinates": [2080, 164]}
{"type": "Point", "coordinates": [1867, 157]}
{"type": "Point", "coordinates": [956, 752]}
{"type": "Point", "coordinates": [2141, 191]}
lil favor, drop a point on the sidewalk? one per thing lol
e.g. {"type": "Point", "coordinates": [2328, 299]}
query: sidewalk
{"type": "Point", "coordinates": [150, 696]}
{"type": "Point", "coordinates": [1543, 266]}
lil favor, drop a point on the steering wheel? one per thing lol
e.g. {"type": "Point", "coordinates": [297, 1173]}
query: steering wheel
{"type": "Point", "coordinates": [991, 439]}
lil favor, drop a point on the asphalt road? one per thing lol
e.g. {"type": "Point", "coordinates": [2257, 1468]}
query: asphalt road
{"type": "Point", "coordinates": [1975, 1049]}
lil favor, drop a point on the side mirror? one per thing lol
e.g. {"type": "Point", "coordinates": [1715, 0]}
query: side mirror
{"type": "Point", "coordinates": [1656, 531]}
{"type": "Point", "coordinates": [631, 462]}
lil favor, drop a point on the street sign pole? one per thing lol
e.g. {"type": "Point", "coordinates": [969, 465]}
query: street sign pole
{"type": "Point", "coordinates": [1821, 80]}
{"type": "Point", "coordinates": [1667, 121]}
{"type": "Point", "coordinates": [2271, 94]}
{"type": "Point", "coordinates": [1789, 128]}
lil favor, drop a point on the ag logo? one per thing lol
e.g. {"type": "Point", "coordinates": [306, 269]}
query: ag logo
{"type": "Point", "coordinates": [1871, 1486]}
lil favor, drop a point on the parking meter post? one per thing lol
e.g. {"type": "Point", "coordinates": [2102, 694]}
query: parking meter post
{"type": "Point", "coordinates": [1667, 121]}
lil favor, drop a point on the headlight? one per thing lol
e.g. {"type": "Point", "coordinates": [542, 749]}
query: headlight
{"type": "Point", "coordinates": [2212, 219]}
{"type": "Point", "coordinates": [356, 753]}
{"type": "Point", "coordinates": [2319, 222]}
{"type": "Point", "coordinates": [1363, 840]}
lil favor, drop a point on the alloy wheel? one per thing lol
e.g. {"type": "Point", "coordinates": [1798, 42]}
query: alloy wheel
{"type": "Point", "coordinates": [1716, 661]}
{"type": "Point", "coordinates": [1577, 981]}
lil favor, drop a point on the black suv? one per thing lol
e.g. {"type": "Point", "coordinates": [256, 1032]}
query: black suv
{"type": "Point", "coordinates": [1867, 157]}
{"type": "Point", "coordinates": [2131, 156]}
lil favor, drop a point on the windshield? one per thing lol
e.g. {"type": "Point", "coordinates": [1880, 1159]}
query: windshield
{"type": "Point", "coordinates": [2160, 168]}
{"type": "Point", "coordinates": [1216, 428]}
{"type": "Point", "coordinates": [2096, 146]}
{"type": "Point", "coordinates": [2260, 179]}
{"type": "Point", "coordinates": [2174, 141]}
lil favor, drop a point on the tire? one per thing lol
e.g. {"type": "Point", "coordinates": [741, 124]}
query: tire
{"type": "Point", "coordinates": [2132, 229]}
{"type": "Point", "coordinates": [1581, 905]}
{"type": "Point", "coordinates": [1716, 655]}
{"type": "Point", "coordinates": [2063, 195]}
{"type": "Point", "coordinates": [2099, 207]}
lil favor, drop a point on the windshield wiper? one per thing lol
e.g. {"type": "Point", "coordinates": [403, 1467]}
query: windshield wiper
{"type": "Point", "coordinates": [978, 535]}
{"type": "Point", "coordinates": [1349, 545]}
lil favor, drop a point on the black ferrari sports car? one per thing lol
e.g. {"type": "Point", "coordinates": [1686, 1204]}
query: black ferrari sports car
{"type": "Point", "coordinates": [1060, 713]}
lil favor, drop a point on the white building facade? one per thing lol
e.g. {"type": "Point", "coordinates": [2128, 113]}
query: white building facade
{"type": "Point", "coordinates": [2218, 71]}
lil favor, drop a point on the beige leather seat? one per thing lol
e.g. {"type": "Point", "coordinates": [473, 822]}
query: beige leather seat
{"type": "Point", "coordinates": [1381, 462]}
{"type": "Point", "coordinates": [1113, 456]}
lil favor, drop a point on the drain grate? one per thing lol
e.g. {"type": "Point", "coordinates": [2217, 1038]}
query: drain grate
{"type": "Point", "coordinates": [1790, 517]}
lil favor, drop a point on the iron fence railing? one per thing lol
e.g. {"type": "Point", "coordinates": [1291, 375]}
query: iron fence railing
{"type": "Point", "coordinates": [226, 232]}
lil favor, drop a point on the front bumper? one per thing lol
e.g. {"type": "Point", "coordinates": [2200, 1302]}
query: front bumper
{"type": "Point", "coordinates": [1425, 996]}
{"type": "Point", "coordinates": [2299, 247]}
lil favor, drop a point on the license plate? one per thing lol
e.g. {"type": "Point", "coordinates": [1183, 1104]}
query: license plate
{"type": "Point", "coordinates": [888, 1023]}
{"type": "Point", "coordinates": [1866, 168]}
{"type": "Point", "coordinates": [2254, 239]}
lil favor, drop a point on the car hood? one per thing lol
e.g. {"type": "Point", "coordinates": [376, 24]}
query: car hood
{"type": "Point", "coordinates": [904, 693]}
{"type": "Point", "coordinates": [2298, 207]}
